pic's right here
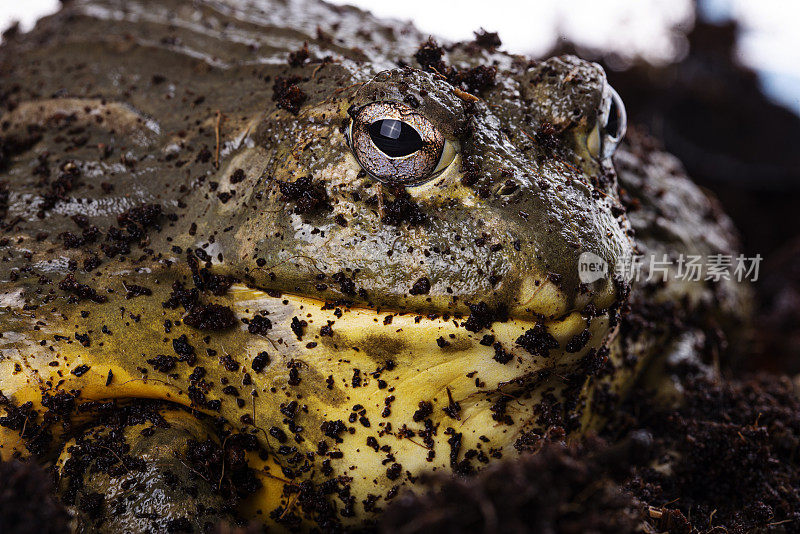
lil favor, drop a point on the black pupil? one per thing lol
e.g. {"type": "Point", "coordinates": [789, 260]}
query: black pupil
{"type": "Point", "coordinates": [395, 138]}
{"type": "Point", "coordinates": [612, 127]}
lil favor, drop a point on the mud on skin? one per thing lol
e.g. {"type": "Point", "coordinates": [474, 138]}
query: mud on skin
{"type": "Point", "coordinates": [195, 219]}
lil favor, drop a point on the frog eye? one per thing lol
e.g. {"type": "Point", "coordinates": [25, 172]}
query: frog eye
{"type": "Point", "coordinates": [611, 126]}
{"type": "Point", "coordinates": [398, 145]}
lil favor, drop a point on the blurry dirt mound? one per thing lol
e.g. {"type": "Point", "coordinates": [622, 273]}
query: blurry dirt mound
{"type": "Point", "coordinates": [725, 462]}
{"type": "Point", "coordinates": [727, 459]}
{"type": "Point", "coordinates": [560, 489]}
{"type": "Point", "coordinates": [778, 323]}
{"type": "Point", "coordinates": [27, 505]}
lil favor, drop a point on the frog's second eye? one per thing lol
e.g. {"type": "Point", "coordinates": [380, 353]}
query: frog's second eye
{"type": "Point", "coordinates": [395, 144]}
{"type": "Point", "coordinates": [611, 126]}
{"type": "Point", "coordinates": [616, 120]}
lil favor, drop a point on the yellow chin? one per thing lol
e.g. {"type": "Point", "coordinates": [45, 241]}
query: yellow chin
{"type": "Point", "coordinates": [380, 397]}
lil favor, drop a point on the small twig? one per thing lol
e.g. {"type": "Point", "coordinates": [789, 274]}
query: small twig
{"type": "Point", "coordinates": [193, 470]}
{"type": "Point", "coordinates": [465, 96]}
{"type": "Point", "coordinates": [290, 504]}
{"type": "Point", "coordinates": [109, 449]}
{"type": "Point", "coordinates": [275, 477]}
{"type": "Point", "coordinates": [8, 227]}
{"type": "Point", "coordinates": [222, 472]}
{"type": "Point", "coordinates": [217, 134]}
{"type": "Point", "coordinates": [24, 426]}
{"type": "Point", "coordinates": [380, 200]}
{"type": "Point", "coordinates": [337, 91]}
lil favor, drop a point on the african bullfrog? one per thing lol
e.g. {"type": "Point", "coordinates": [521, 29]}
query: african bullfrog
{"type": "Point", "coordinates": [274, 262]}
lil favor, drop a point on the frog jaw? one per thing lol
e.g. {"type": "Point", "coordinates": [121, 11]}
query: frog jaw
{"type": "Point", "coordinates": [380, 369]}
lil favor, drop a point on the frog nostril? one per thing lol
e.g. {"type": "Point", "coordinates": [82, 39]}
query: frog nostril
{"type": "Point", "coordinates": [507, 188]}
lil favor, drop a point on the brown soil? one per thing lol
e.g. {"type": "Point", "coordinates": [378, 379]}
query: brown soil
{"type": "Point", "coordinates": [27, 505]}
{"type": "Point", "coordinates": [725, 462]}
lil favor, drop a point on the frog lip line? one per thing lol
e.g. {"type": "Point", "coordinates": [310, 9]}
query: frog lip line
{"type": "Point", "coordinates": [520, 310]}
{"type": "Point", "coordinates": [381, 313]}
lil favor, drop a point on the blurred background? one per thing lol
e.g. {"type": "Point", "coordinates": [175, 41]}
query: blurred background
{"type": "Point", "coordinates": [717, 82]}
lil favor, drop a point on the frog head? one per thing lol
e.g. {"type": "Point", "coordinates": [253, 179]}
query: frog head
{"type": "Point", "coordinates": [425, 199]}
{"type": "Point", "coordinates": [417, 251]}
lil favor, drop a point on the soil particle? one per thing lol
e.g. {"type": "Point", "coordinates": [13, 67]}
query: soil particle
{"type": "Point", "coordinates": [80, 291]}
{"type": "Point", "coordinates": [259, 325]}
{"type": "Point", "coordinates": [578, 341]}
{"type": "Point", "coordinates": [287, 94]}
{"type": "Point", "coordinates": [346, 285]}
{"type": "Point", "coordinates": [403, 209]}
{"type": "Point", "coordinates": [500, 354]}
{"type": "Point", "coordinates": [482, 316]}
{"type": "Point", "coordinates": [163, 363]}
{"type": "Point", "coordinates": [181, 296]}
{"type": "Point", "coordinates": [430, 57]}
{"type": "Point", "coordinates": [299, 56]}
{"type": "Point", "coordinates": [139, 219]}
{"type": "Point", "coordinates": [420, 287]}
{"type": "Point", "coordinates": [332, 429]}
{"type": "Point", "coordinates": [59, 189]}
{"type": "Point", "coordinates": [477, 78]}
{"type": "Point", "coordinates": [134, 225]}
{"type": "Point", "coordinates": [298, 327]}
{"type": "Point", "coordinates": [81, 370]}
{"type": "Point", "coordinates": [23, 419]}
{"type": "Point", "coordinates": [184, 349]}
{"type": "Point", "coordinates": [488, 40]}
{"type": "Point", "coordinates": [210, 317]}
{"type": "Point", "coordinates": [538, 341]}
{"type": "Point", "coordinates": [260, 362]}
{"type": "Point", "coordinates": [132, 291]}
{"type": "Point", "coordinates": [424, 411]}
{"type": "Point", "coordinates": [309, 196]}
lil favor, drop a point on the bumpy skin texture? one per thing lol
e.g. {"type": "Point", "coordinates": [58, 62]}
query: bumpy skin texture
{"type": "Point", "coordinates": [370, 333]}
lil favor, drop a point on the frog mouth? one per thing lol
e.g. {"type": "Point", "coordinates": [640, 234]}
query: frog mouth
{"type": "Point", "coordinates": [321, 332]}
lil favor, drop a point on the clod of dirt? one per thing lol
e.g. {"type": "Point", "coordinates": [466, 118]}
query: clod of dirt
{"type": "Point", "coordinates": [210, 317]}
{"type": "Point", "coordinates": [558, 489]}
{"type": "Point", "coordinates": [27, 504]}
{"type": "Point", "coordinates": [287, 94]}
{"type": "Point", "coordinates": [309, 196]}
{"type": "Point", "coordinates": [403, 209]}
